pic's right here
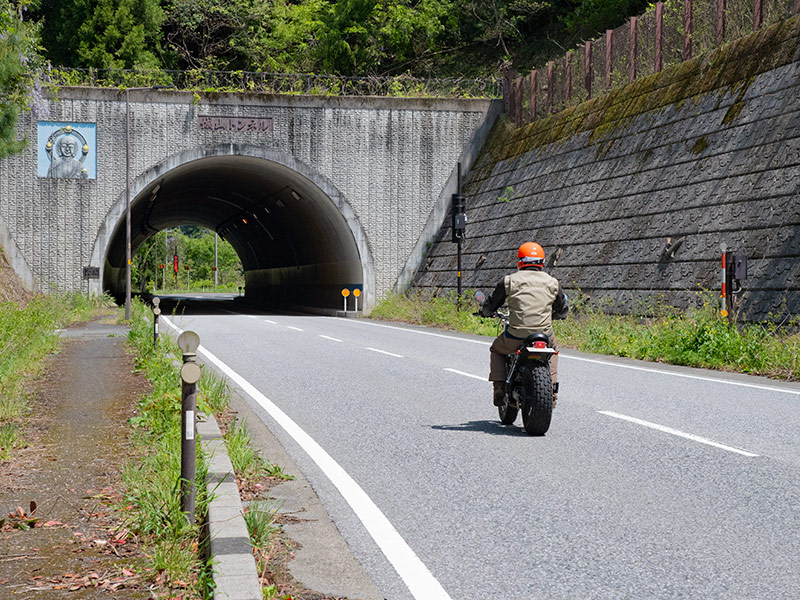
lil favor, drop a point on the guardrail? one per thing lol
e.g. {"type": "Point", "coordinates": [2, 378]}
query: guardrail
{"type": "Point", "coordinates": [674, 31]}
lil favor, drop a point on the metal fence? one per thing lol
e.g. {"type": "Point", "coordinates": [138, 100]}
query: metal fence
{"type": "Point", "coordinates": [279, 83]}
{"type": "Point", "coordinates": [674, 31]}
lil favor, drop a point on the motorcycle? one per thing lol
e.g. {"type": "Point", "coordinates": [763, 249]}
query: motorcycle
{"type": "Point", "coordinates": [529, 388]}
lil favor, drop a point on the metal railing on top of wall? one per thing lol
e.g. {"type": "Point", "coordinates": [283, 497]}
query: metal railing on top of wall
{"type": "Point", "coordinates": [279, 83]}
{"type": "Point", "coordinates": [674, 31]}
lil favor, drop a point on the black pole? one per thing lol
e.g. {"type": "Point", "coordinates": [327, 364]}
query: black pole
{"type": "Point", "coordinates": [190, 375]}
{"type": "Point", "coordinates": [460, 210]}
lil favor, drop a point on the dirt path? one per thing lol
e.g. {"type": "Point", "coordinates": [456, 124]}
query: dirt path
{"type": "Point", "coordinates": [77, 438]}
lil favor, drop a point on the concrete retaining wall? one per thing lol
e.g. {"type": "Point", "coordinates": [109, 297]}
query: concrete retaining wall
{"type": "Point", "coordinates": [632, 194]}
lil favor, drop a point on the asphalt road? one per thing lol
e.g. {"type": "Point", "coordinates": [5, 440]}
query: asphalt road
{"type": "Point", "coordinates": [653, 481]}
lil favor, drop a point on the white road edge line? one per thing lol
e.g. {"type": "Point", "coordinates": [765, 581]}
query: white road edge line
{"type": "Point", "coordinates": [295, 328]}
{"type": "Point", "coordinates": [270, 322]}
{"type": "Point", "coordinates": [448, 337]}
{"type": "Point", "coordinates": [419, 580]}
{"type": "Point", "coordinates": [688, 436]}
{"type": "Point", "coordinates": [384, 352]}
{"type": "Point", "coordinates": [327, 337]}
{"type": "Point", "coordinates": [684, 375]}
{"type": "Point", "coordinates": [457, 372]}
{"type": "Point", "coordinates": [593, 360]}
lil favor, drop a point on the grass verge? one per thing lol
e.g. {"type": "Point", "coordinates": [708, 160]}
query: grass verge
{"type": "Point", "coordinates": [697, 337]}
{"type": "Point", "coordinates": [175, 548]}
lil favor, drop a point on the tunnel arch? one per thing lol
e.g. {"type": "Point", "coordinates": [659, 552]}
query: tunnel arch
{"type": "Point", "coordinates": [298, 237]}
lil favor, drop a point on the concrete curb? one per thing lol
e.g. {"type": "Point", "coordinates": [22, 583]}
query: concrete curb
{"type": "Point", "coordinates": [233, 564]}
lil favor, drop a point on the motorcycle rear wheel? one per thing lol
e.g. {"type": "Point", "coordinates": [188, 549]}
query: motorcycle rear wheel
{"type": "Point", "coordinates": [537, 404]}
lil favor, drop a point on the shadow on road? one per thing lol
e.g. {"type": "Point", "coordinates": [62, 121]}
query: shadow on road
{"type": "Point", "coordinates": [490, 427]}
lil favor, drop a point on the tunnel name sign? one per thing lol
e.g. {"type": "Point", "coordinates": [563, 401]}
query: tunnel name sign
{"type": "Point", "coordinates": [257, 124]}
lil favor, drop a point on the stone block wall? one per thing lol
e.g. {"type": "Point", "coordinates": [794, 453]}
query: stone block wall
{"type": "Point", "coordinates": [632, 194]}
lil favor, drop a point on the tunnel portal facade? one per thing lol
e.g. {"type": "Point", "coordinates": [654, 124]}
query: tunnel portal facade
{"type": "Point", "coordinates": [314, 193]}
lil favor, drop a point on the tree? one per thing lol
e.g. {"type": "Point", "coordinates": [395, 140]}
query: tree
{"type": "Point", "coordinates": [589, 18]}
{"type": "Point", "coordinates": [18, 72]}
{"type": "Point", "coordinates": [120, 34]}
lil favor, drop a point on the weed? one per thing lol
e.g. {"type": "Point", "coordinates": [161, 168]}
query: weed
{"type": "Point", "coordinates": [8, 439]}
{"type": "Point", "coordinates": [507, 195]}
{"type": "Point", "coordinates": [247, 463]}
{"type": "Point", "coordinates": [260, 520]}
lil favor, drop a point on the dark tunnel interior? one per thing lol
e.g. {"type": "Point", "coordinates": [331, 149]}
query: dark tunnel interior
{"type": "Point", "coordinates": [296, 246]}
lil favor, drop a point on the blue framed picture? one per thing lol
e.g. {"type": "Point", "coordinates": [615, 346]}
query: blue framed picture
{"type": "Point", "coordinates": [67, 150]}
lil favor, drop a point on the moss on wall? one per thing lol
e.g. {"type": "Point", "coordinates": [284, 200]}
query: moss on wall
{"type": "Point", "coordinates": [731, 67]}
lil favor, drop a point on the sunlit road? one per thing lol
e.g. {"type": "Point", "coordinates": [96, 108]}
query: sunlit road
{"type": "Point", "coordinates": [653, 481]}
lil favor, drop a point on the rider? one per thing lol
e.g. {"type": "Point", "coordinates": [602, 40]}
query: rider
{"type": "Point", "coordinates": [534, 299]}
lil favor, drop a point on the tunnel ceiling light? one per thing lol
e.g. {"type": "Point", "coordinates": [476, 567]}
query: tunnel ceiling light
{"type": "Point", "coordinates": [295, 195]}
{"type": "Point", "coordinates": [280, 203]}
{"type": "Point", "coordinates": [244, 221]}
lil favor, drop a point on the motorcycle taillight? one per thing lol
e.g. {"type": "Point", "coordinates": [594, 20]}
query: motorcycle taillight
{"type": "Point", "coordinates": [539, 345]}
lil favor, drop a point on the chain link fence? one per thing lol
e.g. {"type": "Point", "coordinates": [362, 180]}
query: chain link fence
{"type": "Point", "coordinates": [674, 31]}
{"type": "Point", "coordinates": [278, 83]}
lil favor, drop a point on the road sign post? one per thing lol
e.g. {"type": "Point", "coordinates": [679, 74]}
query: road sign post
{"type": "Point", "coordinates": [345, 294]}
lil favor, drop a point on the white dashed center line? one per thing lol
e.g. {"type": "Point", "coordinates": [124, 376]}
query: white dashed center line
{"type": "Point", "coordinates": [385, 352]}
{"type": "Point", "coordinates": [670, 430]}
{"type": "Point", "coordinates": [327, 337]}
{"type": "Point", "coordinates": [457, 372]}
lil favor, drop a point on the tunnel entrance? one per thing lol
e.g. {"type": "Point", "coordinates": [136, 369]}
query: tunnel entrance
{"type": "Point", "coordinates": [298, 240]}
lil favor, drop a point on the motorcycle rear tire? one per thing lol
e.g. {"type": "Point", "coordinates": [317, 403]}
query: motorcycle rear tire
{"type": "Point", "coordinates": [537, 405]}
{"type": "Point", "coordinates": [508, 413]}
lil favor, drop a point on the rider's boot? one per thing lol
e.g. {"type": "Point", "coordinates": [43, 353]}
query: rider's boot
{"type": "Point", "coordinates": [555, 394]}
{"type": "Point", "coordinates": [499, 392]}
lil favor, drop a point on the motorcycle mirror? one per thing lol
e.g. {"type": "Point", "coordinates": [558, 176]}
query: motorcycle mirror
{"type": "Point", "coordinates": [480, 297]}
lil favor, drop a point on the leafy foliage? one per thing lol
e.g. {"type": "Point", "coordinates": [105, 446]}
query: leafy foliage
{"type": "Point", "coordinates": [18, 56]}
{"type": "Point", "coordinates": [441, 38]}
{"type": "Point", "coordinates": [103, 33]}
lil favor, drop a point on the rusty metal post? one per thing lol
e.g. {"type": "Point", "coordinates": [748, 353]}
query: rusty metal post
{"type": "Point", "coordinates": [550, 85]}
{"type": "Point", "coordinates": [632, 50]}
{"type": "Point", "coordinates": [567, 78]}
{"type": "Point", "coordinates": [659, 37]}
{"type": "Point", "coordinates": [609, 56]}
{"type": "Point", "coordinates": [533, 95]}
{"type": "Point", "coordinates": [688, 29]}
{"type": "Point", "coordinates": [189, 341]}
{"type": "Point", "coordinates": [721, 9]}
{"type": "Point", "coordinates": [507, 90]}
{"type": "Point", "coordinates": [758, 14]}
{"type": "Point", "coordinates": [587, 68]}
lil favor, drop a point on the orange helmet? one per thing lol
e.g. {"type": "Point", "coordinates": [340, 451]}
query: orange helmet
{"type": "Point", "coordinates": [530, 254]}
